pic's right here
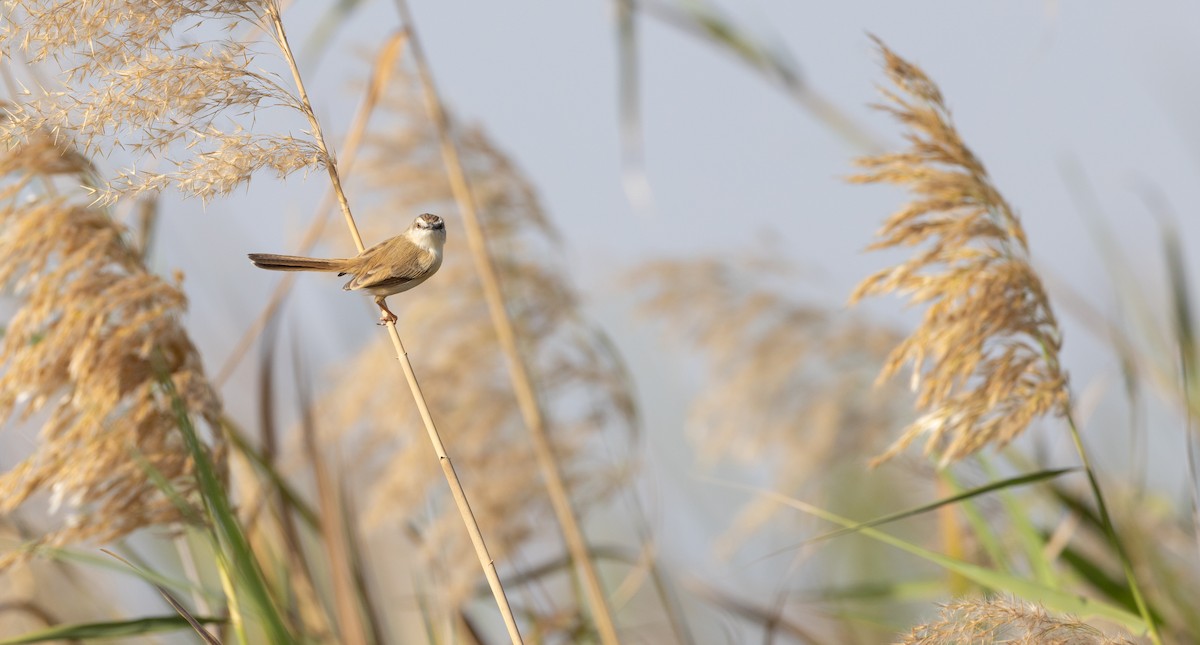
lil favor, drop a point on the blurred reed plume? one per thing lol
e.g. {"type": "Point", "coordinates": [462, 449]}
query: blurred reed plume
{"type": "Point", "coordinates": [784, 374]}
{"type": "Point", "coordinates": [1001, 620]}
{"type": "Point", "coordinates": [581, 384]}
{"type": "Point", "coordinates": [789, 385]}
{"type": "Point", "coordinates": [85, 355]}
{"type": "Point", "coordinates": [985, 357]}
{"type": "Point", "coordinates": [166, 82]}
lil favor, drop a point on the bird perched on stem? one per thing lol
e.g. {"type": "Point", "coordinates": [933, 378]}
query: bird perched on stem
{"type": "Point", "coordinates": [394, 265]}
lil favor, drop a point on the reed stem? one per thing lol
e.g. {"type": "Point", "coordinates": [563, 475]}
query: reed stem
{"type": "Point", "coordinates": [456, 489]}
{"type": "Point", "coordinates": [518, 371]}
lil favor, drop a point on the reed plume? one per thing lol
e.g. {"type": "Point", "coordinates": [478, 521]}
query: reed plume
{"type": "Point", "coordinates": [1000, 620]}
{"type": "Point", "coordinates": [462, 370]}
{"type": "Point", "coordinates": [985, 357]}
{"type": "Point", "coordinates": [85, 355]}
{"type": "Point", "coordinates": [788, 384]}
{"type": "Point", "coordinates": [165, 82]}
{"type": "Point", "coordinates": [787, 380]}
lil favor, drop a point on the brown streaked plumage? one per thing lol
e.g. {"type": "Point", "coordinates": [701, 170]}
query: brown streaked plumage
{"type": "Point", "coordinates": [394, 265]}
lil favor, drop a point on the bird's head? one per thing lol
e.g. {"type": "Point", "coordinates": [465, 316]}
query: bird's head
{"type": "Point", "coordinates": [429, 222]}
{"type": "Point", "coordinates": [428, 231]}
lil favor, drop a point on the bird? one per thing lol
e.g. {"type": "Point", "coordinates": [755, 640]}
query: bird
{"type": "Point", "coordinates": [395, 265]}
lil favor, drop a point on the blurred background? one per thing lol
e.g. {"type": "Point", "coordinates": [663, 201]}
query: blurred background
{"type": "Point", "coordinates": [687, 170]}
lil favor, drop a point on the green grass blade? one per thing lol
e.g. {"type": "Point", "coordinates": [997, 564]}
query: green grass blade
{"type": "Point", "coordinates": [173, 602]}
{"type": "Point", "coordinates": [1184, 329]}
{"type": "Point", "coordinates": [1113, 588]}
{"type": "Point", "coordinates": [1011, 482]}
{"type": "Point", "coordinates": [982, 529]}
{"type": "Point", "coordinates": [110, 629]}
{"type": "Point", "coordinates": [998, 581]}
{"type": "Point", "coordinates": [1028, 536]}
{"type": "Point", "coordinates": [278, 482]}
{"type": "Point", "coordinates": [883, 591]}
{"type": "Point", "coordinates": [240, 558]}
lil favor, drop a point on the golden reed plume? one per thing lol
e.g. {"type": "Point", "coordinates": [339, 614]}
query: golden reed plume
{"type": "Point", "coordinates": [168, 83]}
{"type": "Point", "coordinates": [985, 357]}
{"type": "Point", "coordinates": [85, 355]}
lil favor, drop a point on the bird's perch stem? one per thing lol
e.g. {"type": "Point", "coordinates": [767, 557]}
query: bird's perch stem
{"type": "Point", "coordinates": [384, 63]}
{"type": "Point", "coordinates": [456, 489]}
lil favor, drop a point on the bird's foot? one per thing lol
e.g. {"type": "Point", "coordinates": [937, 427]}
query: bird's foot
{"type": "Point", "coordinates": [385, 315]}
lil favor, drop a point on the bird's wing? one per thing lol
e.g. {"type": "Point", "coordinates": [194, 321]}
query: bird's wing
{"type": "Point", "coordinates": [390, 263]}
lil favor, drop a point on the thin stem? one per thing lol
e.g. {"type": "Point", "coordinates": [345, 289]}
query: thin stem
{"type": "Point", "coordinates": [1111, 532]}
{"type": "Point", "coordinates": [384, 63]}
{"type": "Point", "coordinates": [273, 13]}
{"type": "Point", "coordinates": [456, 489]}
{"type": "Point", "coordinates": [523, 387]}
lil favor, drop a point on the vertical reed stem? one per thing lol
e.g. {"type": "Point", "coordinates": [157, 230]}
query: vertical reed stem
{"type": "Point", "coordinates": [518, 372]}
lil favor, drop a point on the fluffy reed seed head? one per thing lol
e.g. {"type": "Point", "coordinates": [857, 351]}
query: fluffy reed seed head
{"type": "Point", "coordinates": [1000, 620]}
{"type": "Point", "coordinates": [455, 351]}
{"type": "Point", "coordinates": [985, 357]}
{"type": "Point", "coordinates": [84, 356]}
{"type": "Point", "coordinates": [788, 385]}
{"type": "Point", "coordinates": [165, 82]}
{"type": "Point", "coordinates": [787, 381]}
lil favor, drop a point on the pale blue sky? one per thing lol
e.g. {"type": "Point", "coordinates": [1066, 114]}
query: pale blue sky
{"type": "Point", "coordinates": [732, 161]}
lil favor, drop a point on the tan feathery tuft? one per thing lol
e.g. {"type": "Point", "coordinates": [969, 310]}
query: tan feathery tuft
{"type": "Point", "coordinates": [788, 385]}
{"type": "Point", "coordinates": [165, 82]}
{"type": "Point", "coordinates": [985, 357]}
{"type": "Point", "coordinates": [83, 357]}
{"type": "Point", "coordinates": [999, 620]}
{"type": "Point", "coordinates": [786, 378]}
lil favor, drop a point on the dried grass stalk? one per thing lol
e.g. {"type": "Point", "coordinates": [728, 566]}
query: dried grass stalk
{"type": "Point", "coordinates": [999, 620]}
{"type": "Point", "coordinates": [163, 81]}
{"type": "Point", "coordinates": [84, 356]}
{"type": "Point", "coordinates": [985, 357]}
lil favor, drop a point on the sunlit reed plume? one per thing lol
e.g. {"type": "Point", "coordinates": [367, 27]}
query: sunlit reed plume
{"type": "Point", "coordinates": [84, 358]}
{"type": "Point", "coordinates": [985, 357]}
{"type": "Point", "coordinates": [582, 385]}
{"type": "Point", "coordinates": [788, 385]}
{"type": "Point", "coordinates": [999, 620]}
{"type": "Point", "coordinates": [166, 82]}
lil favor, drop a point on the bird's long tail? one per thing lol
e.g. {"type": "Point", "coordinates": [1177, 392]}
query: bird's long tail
{"type": "Point", "coordinates": [295, 263]}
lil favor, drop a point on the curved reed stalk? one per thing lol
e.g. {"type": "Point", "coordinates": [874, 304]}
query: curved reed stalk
{"type": "Point", "coordinates": [460, 498]}
{"type": "Point", "coordinates": [522, 382]}
{"type": "Point", "coordinates": [385, 61]}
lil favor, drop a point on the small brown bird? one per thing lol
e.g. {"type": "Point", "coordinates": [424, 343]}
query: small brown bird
{"type": "Point", "coordinates": [394, 265]}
